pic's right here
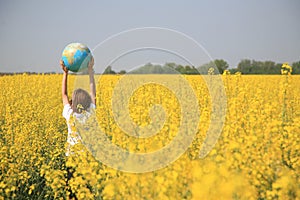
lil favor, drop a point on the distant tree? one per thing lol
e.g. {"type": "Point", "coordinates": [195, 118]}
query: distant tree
{"type": "Point", "coordinates": [278, 68]}
{"type": "Point", "coordinates": [148, 68]}
{"type": "Point", "coordinates": [122, 71]}
{"type": "Point", "coordinates": [270, 67]}
{"type": "Point", "coordinates": [180, 69]}
{"type": "Point", "coordinates": [191, 70]}
{"type": "Point", "coordinates": [203, 69]}
{"type": "Point", "coordinates": [258, 67]}
{"type": "Point", "coordinates": [170, 68]}
{"type": "Point", "coordinates": [244, 66]}
{"type": "Point", "coordinates": [109, 70]}
{"type": "Point", "coordinates": [233, 70]}
{"type": "Point", "coordinates": [148, 65]}
{"type": "Point", "coordinates": [296, 67]}
{"type": "Point", "coordinates": [187, 69]}
{"type": "Point", "coordinates": [221, 65]}
{"type": "Point", "coordinates": [171, 65]}
{"type": "Point", "coordinates": [158, 69]}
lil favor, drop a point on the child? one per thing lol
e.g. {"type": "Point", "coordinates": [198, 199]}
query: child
{"type": "Point", "coordinates": [81, 102]}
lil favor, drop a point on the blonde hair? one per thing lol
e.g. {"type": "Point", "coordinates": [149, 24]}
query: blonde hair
{"type": "Point", "coordinates": [81, 100]}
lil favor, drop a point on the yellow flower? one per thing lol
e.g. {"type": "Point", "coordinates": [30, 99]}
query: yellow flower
{"type": "Point", "coordinates": [255, 157]}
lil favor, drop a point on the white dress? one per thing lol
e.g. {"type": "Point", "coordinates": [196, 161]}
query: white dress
{"type": "Point", "coordinates": [73, 136]}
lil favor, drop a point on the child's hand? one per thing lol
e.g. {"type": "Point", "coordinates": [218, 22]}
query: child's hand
{"type": "Point", "coordinates": [91, 64]}
{"type": "Point", "coordinates": [62, 64]}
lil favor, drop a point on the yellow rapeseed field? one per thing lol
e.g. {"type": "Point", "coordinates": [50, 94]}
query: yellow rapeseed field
{"type": "Point", "coordinates": [256, 156]}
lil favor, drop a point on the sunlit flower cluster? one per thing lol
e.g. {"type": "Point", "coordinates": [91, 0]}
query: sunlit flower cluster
{"type": "Point", "coordinates": [256, 156]}
{"type": "Point", "coordinates": [226, 72]}
{"type": "Point", "coordinates": [286, 69]}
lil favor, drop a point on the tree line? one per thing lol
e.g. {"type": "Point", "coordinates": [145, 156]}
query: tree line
{"type": "Point", "coordinates": [245, 66]}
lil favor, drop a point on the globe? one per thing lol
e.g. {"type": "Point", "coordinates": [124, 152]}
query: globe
{"type": "Point", "coordinates": [76, 57]}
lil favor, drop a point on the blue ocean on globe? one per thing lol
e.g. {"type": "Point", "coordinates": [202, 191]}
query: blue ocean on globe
{"type": "Point", "coordinates": [76, 57]}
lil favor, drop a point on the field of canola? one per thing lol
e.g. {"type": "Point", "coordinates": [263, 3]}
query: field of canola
{"type": "Point", "coordinates": [256, 156]}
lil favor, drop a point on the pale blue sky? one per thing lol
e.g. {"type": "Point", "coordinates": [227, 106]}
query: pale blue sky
{"type": "Point", "coordinates": [34, 33]}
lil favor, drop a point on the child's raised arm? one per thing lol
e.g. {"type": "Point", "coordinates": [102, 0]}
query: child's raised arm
{"type": "Point", "coordinates": [64, 88]}
{"type": "Point", "coordinates": [92, 81]}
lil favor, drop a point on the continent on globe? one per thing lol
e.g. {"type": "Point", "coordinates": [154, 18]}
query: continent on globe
{"type": "Point", "coordinates": [76, 57]}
